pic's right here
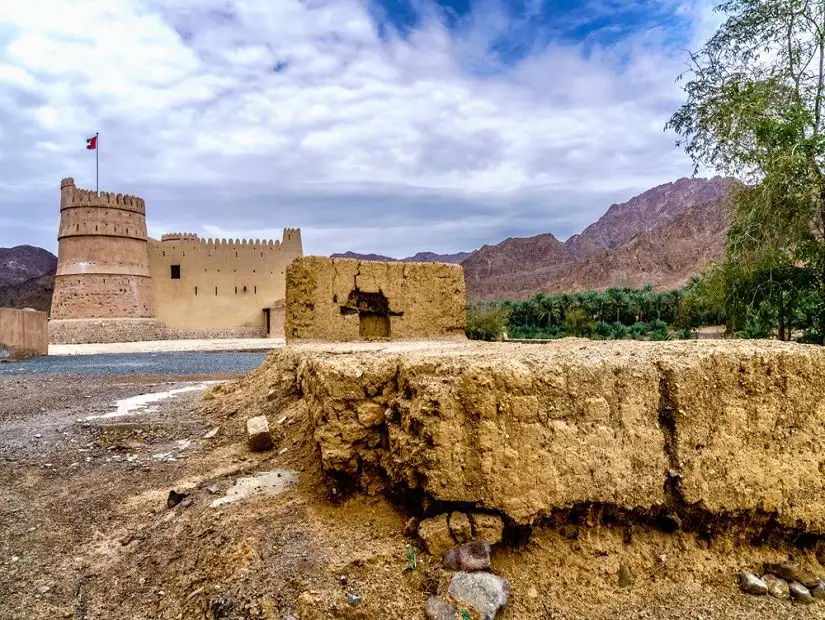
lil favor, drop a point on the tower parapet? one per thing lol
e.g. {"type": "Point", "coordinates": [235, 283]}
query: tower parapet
{"type": "Point", "coordinates": [179, 237]}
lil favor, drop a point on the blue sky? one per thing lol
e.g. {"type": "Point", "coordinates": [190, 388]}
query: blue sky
{"type": "Point", "coordinates": [389, 126]}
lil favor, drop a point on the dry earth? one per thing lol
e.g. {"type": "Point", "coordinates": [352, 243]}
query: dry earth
{"type": "Point", "coordinates": [96, 540]}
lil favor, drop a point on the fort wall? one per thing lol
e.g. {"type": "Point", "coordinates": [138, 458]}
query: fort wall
{"type": "Point", "coordinates": [22, 333]}
{"type": "Point", "coordinates": [220, 283]}
{"type": "Point", "coordinates": [335, 299]}
{"type": "Point", "coordinates": [115, 284]}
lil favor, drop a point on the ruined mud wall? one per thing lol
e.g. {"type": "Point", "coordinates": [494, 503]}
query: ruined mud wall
{"type": "Point", "coordinates": [334, 299]}
{"type": "Point", "coordinates": [22, 334]}
{"type": "Point", "coordinates": [699, 430]}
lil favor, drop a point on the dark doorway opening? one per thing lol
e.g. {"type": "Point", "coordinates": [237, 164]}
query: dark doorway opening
{"type": "Point", "coordinates": [268, 319]}
{"type": "Point", "coordinates": [175, 272]}
{"type": "Point", "coordinates": [373, 310]}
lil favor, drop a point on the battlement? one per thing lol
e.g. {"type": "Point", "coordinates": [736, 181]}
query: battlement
{"type": "Point", "coordinates": [73, 197]}
{"type": "Point", "coordinates": [227, 242]}
{"type": "Point", "coordinates": [179, 237]}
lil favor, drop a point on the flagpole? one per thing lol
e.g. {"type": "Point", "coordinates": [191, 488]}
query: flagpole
{"type": "Point", "coordinates": [97, 163]}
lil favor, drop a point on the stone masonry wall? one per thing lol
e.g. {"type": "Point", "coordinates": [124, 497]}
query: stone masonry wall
{"type": "Point", "coordinates": [335, 299]}
{"type": "Point", "coordinates": [83, 331]}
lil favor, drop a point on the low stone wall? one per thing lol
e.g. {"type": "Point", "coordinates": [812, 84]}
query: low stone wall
{"type": "Point", "coordinates": [335, 299]}
{"type": "Point", "coordinates": [22, 334]}
{"type": "Point", "coordinates": [701, 432]}
{"type": "Point", "coordinates": [85, 331]}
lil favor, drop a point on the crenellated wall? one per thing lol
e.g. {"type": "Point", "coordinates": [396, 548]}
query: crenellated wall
{"type": "Point", "coordinates": [223, 282]}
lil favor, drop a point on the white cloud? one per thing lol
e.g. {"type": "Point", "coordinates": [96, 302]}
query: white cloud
{"type": "Point", "coordinates": [391, 146]}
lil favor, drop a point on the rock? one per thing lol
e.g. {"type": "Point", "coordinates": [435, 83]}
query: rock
{"type": "Point", "coordinates": [370, 414]}
{"type": "Point", "coordinates": [751, 584]}
{"type": "Point", "coordinates": [257, 429]}
{"type": "Point", "coordinates": [438, 609]}
{"type": "Point", "coordinates": [791, 571]}
{"type": "Point", "coordinates": [819, 590]}
{"type": "Point", "coordinates": [777, 587]}
{"type": "Point", "coordinates": [186, 503]}
{"type": "Point", "coordinates": [460, 527]}
{"type": "Point", "coordinates": [800, 593]}
{"type": "Point", "coordinates": [487, 527]}
{"type": "Point", "coordinates": [435, 534]}
{"type": "Point", "coordinates": [212, 433]}
{"type": "Point", "coordinates": [212, 488]}
{"type": "Point", "coordinates": [174, 498]}
{"type": "Point", "coordinates": [532, 592]}
{"type": "Point", "coordinates": [43, 589]}
{"type": "Point", "coordinates": [468, 557]}
{"type": "Point", "coordinates": [343, 580]}
{"type": "Point", "coordinates": [353, 599]}
{"type": "Point", "coordinates": [484, 592]}
{"type": "Point", "coordinates": [626, 578]}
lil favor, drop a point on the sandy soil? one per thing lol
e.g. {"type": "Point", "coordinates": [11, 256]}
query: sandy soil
{"type": "Point", "coordinates": [156, 346]}
{"type": "Point", "coordinates": [87, 533]}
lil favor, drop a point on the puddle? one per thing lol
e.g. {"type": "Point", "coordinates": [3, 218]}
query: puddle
{"type": "Point", "coordinates": [266, 483]}
{"type": "Point", "coordinates": [142, 401]}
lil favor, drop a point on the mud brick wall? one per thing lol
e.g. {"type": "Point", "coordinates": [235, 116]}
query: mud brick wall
{"type": "Point", "coordinates": [331, 299]}
{"type": "Point", "coordinates": [711, 432]}
{"type": "Point", "coordinates": [22, 334]}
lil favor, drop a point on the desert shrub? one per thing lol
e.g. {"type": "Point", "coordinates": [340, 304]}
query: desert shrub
{"type": "Point", "coordinates": [603, 331]}
{"type": "Point", "coordinates": [684, 334]}
{"type": "Point", "coordinates": [619, 331]}
{"type": "Point", "coordinates": [486, 322]}
{"type": "Point", "coordinates": [639, 330]}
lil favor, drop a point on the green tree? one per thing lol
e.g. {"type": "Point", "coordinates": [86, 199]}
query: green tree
{"type": "Point", "coordinates": [754, 109]}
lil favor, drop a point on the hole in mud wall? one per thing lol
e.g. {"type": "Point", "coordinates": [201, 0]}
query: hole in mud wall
{"type": "Point", "coordinates": [373, 311]}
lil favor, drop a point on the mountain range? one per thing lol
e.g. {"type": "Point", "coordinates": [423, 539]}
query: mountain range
{"type": "Point", "coordinates": [661, 237]}
{"type": "Point", "coordinates": [26, 277]}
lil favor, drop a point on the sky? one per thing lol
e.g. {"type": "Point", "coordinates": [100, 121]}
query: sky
{"type": "Point", "coordinates": [387, 126]}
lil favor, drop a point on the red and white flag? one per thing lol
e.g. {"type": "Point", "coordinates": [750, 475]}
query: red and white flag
{"type": "Point", "coordinates": [91, 143]}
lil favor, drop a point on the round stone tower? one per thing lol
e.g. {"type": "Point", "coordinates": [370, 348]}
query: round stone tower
{"type": "Point", "coordinates": [103, 258]}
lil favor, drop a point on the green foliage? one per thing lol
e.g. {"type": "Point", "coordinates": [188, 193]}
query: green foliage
{"type": "Point", "coordinates": [639, 330]}
{"type": "Point", "coordinates": [754, 109]}
{"type": "Point", "coordinates": [486, 322]}
{"type": "Point", "coordinates": [578, 323]}
{"type": "Point", "coordinates": [684, 334]}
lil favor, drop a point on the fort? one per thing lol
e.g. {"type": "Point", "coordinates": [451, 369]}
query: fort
{"type": "Point", "coordinates": [116, 284]}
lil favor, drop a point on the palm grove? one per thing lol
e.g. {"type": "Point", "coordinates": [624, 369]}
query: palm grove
{"type": "Point", "coordinates": [754, 111]}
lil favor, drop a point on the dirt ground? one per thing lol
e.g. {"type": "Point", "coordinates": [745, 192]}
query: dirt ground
{"type": "Point", "coordinates": [85, 531]}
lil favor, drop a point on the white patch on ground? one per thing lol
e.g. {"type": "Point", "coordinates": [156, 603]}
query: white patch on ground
{"type": "Point", "coordinates": [141, 402]}
{"type": "Point", "coordinates": [266, 483]}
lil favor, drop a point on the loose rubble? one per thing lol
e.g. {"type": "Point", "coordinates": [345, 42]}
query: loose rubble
{"type": "Point", "coordinates": [800, 593]}
{"type": "Point", "coordinates": [259, 438]}
{"type": "Point", "coordinates": [484, 592]}
{"type": "Point", "coordinates": [751, 584]}
{"type": "Point", "coordinates": [469, 557]}
{"type": "Point", "coordinates": [777, 587]}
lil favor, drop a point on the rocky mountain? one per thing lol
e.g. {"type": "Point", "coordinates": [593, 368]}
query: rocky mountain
{"type": "Point", "coordinates": [24, 262]}
{"type": "Point", "coordinates": [421, 257]}
{"type": "Point", "coordinates": [661, 237]}
{"type": "Point", "coordinates": [35, 293]}
{"type": "Point", "coordinates": [26, 277]}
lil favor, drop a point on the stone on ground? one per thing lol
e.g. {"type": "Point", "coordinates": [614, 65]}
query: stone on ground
{"type": "Point", "coordinates": [460, 527]}
{"type": "Point", "coordinates": [777, 587]}
{"type": "Point", "coordinates": [484, 592]}
{"type": "Point", "coordinates": [438, 609]}
{"type": "Point", "coordinates": [468, 557]}
{"type": "Point", "coordinates": [819, 590]}
{"type": "Point", "coordinates": [257, 430]}
{"type": "Point", "coordinates": [435, 534]}
{"type": "Point", "coordinates": [626, 578]}
{"type": "Point", "coordinates": [751, 584]}
{"type": "Point", "coordinates": [487, 527]}
{"type": "Point", "coordinates": [791, 571]}
{"type": "Point", "coordinates": [800, 593]}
